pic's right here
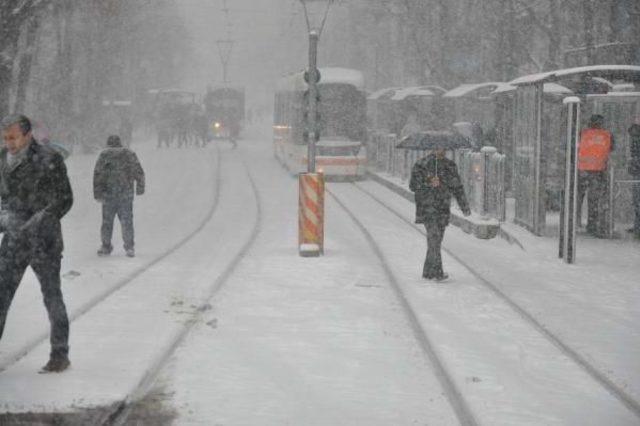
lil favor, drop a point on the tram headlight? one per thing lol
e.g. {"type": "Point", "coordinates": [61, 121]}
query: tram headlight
{"type": "Point", "coordinates": [216, 125]}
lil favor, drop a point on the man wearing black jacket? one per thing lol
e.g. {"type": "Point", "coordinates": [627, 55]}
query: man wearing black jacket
{"type": "Point", "coordinates": [434, 179]}
{"type": "Point", "coordinates": [36, 194]}
{"type": "Point", "coordinates": [115, 173]}
{"type": "Point", "coordinates": [634, 171]}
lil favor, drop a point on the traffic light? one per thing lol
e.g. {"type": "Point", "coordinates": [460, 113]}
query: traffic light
{"type": "Point", "coordinates": [308, 76]}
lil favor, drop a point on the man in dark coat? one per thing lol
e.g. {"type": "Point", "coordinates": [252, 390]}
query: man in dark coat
{"type": "Point", "coordinates": [594, 151]}
{"type": "Point", "coordinates": [434, 180]}
{"type": "Point", "coordinates": [115, 173]}
{"type": "Point", "coordinates": [634, 171]}
{"type": "Point", "coordinates": [36, 194]}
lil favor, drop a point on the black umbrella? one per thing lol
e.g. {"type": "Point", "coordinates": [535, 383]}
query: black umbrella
{"type": "Point", "coordinates": [433, 139]}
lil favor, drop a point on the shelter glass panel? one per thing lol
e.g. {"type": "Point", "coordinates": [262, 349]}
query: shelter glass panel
{"type": "Point", "coordinates": [524, 156]}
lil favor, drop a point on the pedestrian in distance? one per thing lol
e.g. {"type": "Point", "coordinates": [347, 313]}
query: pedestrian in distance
{"type": "Point", "coordinates": [233, 123]}
{"type": "Point", "coordinates": [435, 180]}
{"type": "Point", "coordinates": [634, 172]}
{"type": "Point", "coordinates": [114, 176]}
{"type": "Point", "coordinates": [36, 194]}
{"type": "Point", "coordinates": [594, 150]}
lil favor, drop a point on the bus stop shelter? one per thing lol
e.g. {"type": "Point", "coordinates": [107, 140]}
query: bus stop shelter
{"type": "Point", "coordinates": [540, 133]}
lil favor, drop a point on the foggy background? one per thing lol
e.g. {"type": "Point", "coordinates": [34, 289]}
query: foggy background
{"type": "Point", "coordinates": [60, 59]}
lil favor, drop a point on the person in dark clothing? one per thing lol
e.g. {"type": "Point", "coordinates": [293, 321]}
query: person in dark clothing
{"type": "Point", "coordinates": [594, 150]}
{"type": "Point", "coordinates": [36, 194]}
{"type": "Point", "coordinates": [115, 173]}
{"type": "Point", "coordinates": [434, 180]}
{"type": "Point", "coordinates": [634, 171]}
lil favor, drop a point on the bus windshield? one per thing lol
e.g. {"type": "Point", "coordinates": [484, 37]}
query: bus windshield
{"type": "Point", "coordinates": [342, 112]}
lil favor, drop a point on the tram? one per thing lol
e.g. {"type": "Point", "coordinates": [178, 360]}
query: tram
{"type": "Point", "coordinates": [340, 151]}
{"type": "Point", "coordinates": [225, 107]}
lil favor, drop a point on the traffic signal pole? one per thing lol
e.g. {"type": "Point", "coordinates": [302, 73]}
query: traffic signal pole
{"type": "Point", "coordinates": [313, 101]}
{"type": "Point", "coordinates": [311, 191]}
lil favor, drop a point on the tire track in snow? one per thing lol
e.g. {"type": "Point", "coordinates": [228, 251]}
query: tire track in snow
{"type": "Point", "coordinates": [618, 392]}
{"type": "Point", "coordinates": [118, 414]}
{"type": "Point", "coordinates": [456, 400]}
{"type": "Point", "coordinates": [17, 355]}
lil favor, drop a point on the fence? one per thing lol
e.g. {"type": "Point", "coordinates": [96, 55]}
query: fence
{"type": "Point", "coordinates": [482, 173]}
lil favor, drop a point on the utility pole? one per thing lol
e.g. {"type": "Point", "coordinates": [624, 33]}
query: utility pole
{"type": "Point", "coordinates": [225, 46]}
{"type": "Point", "coordinates": [311, 192]}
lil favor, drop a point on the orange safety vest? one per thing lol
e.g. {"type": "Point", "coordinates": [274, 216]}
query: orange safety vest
{"type": "Point", "coordinates": [594, 149]}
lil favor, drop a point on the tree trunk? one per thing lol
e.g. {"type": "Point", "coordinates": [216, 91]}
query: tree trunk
{"type": "Point", "coordinates": [555, 36]}
{"type": "Point", "coordinates": [589, 25]}
{"type": "Point", "coordinates": [26, 59]}
{"type": "Point", "coordinates": [443, 67]}
{"type": "Point", "coordinates": [9, 35]}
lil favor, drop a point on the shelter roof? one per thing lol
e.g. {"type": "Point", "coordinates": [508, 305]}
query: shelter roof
{"type": "Point", "coordinates": [630, 73]}
{"type": "Point", "coordinates": [467, 89]}
{"type": "Point", "coordinates": [405, 92]}
{"type": "Point", "coordinates": [384, 93]}
{"type": "Point", "coordinates": [551, 88]}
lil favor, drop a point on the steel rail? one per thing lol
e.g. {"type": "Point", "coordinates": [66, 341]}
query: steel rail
{"type": "Point", "coordinates": [616, 391]}
{"type": "Point", "coordinates": [454, 396]}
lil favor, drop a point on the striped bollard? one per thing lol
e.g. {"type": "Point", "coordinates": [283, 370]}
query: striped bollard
{"type": "Point", "coordinates": [311, 214]}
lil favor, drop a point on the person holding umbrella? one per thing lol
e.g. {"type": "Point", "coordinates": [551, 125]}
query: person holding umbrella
{"type": "Point", "coordinates": [434, 180]}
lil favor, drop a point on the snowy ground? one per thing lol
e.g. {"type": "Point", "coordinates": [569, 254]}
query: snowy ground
{"type": "Point", "coordinates": [291, 340]}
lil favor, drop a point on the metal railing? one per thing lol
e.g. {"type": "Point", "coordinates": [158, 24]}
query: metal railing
{"type": "Point", "coordinates": [482, 173]}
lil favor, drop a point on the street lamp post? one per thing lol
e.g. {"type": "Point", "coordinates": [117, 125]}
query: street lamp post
{"type": "Point", "coordinates": [311, 195]}
{"type": "Point", "coordinates": [312, 78]}
{"type": "Point", "coordinates": [315, 12]}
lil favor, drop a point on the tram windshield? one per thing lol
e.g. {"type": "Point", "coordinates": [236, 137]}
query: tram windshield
{"type": "Point", "coordinates": [342, 112]}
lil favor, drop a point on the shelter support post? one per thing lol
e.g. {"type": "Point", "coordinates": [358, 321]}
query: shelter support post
{"type": "Point", "coordinates": [610, 210]}
{"type": "Point", "coordinates": [567, 237]}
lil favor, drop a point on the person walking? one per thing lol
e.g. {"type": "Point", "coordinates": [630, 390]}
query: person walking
{"type": "Point", "coordinates": [36, 194]}
{"type": "Point", "coordinates": [634, 171]}
{"type": "Point", "coordinates": [434, 180]}
{"type": "Point", "coordinates": [115, 173]}
{"type": "Point", "coordinates": [594, 150]}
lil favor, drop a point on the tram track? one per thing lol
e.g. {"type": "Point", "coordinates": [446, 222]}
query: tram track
{"type": "Point", "coordinates": [119, 413]}
{"type": "Point", "coordinates": [601, 378]}
{"type": "Point", "coordinates": [454, 396]}
{"type": "Point", "coordinates": [91, 304]}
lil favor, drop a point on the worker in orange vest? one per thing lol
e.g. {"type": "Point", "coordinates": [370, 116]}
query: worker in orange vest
{"type": "Point", "coordinates": [594, 149]}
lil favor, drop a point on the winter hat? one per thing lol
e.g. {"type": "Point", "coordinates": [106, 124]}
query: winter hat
{"type": "Point", "coordinates": [114, 141]}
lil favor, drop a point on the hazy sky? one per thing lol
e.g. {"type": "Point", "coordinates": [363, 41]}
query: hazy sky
{"type": "Point", "coordinates": [270, 39]}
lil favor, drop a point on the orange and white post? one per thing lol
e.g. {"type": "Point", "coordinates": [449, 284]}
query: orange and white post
{"type": "Point", "coordinates": [311, 215]}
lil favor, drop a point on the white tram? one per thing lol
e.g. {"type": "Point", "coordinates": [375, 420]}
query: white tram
{"type": "Point", "coordinates": [340, 152]}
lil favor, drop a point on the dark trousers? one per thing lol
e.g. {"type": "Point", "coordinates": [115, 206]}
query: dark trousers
{"type": "Point", "coordinates": [15, 256]}
{"type": "Point", "coordinates": [636, 207]}
{"type": "Point", "coordinates": [433, 262]}
{"type": "Point", "coordinates": [124, 209]}
{"type": "Point", "coordinates": [595, 184]}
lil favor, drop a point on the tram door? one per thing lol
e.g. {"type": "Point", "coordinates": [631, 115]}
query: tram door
{"type": "Point", "coordinates": [619, 110]}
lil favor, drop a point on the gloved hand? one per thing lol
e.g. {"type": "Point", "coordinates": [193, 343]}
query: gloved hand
{"type": "Point", "coordinates": [31, 225]}
{"type": "Point", "coordinates": [9, 223]}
